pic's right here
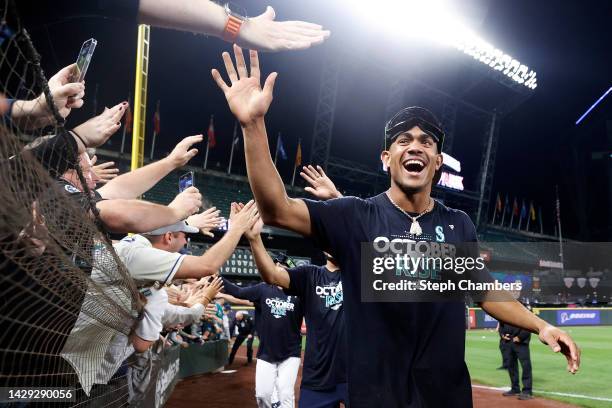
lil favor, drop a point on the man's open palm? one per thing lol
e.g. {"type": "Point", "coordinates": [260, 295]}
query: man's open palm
{"type": "Point", "coordinates": [245, 96]}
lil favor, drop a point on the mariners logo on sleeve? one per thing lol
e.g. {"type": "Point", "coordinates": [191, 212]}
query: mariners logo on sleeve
{"type": "Point", "coordinates": [279, 307]}
{"type": "Point", "coordinates": [71, 189]}
{"type": "Point", "coordinates": [332, 294]}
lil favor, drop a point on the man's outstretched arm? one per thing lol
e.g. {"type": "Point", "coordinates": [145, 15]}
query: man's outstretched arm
{"type": "Point", "coordinates": [503, 306]}
{"type": "Point", "coordinates": [141, 216]}
{"type": "Point", "coordinates": [234, 300]}
{"type": "Point", "coordinates": [137, 182]}
{"type": "Point", "coordinates": [261, 32]}
{"type": "Point", "coordinates": [250, 293]}
{"type": "Point", "coordinates": [514, 313]}
{"type": "Point", "coordinates": [269, 271]}
{"type": "Point", "coordinates": [249, 102]}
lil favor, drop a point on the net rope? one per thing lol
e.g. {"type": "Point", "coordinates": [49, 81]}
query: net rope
{"type": "Point", "coordinates": [65, 297]}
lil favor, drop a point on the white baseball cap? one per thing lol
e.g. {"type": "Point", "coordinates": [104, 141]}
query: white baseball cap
{"type": "Point", "coordinates": [180, 226]}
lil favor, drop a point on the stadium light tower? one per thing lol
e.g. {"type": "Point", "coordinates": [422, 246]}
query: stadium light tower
{"type": "Point", "coordinates": [437, 21]}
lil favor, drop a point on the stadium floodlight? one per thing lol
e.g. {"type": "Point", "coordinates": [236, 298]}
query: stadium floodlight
{"type": "Point", "coordinates": [497, 60]}
{"type": "Point", "coordinates": [435, 20]}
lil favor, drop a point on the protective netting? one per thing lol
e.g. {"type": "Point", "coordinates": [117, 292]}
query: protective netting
{"type": "Point", "coordinates": [66, 301]}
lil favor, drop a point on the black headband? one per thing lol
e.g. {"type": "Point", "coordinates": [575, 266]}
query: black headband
{"type": "Point", "coordinates": [412, 116]}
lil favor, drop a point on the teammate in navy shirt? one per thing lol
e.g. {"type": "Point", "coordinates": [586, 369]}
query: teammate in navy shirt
{"type": "Point", "coordinates": [320, 291]}
{"type": "Point", "coordinates": [412, 354]}
{"type": "Point", "coordinates": [324, 371]}
{"type": "Point", "coordinates": [278, 320]}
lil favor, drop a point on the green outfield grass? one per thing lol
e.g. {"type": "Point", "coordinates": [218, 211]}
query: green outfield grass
{"type": "Point", "coordinates": [549, 369]}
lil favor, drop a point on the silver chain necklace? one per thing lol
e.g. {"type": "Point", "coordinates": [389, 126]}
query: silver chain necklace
{"type": "Point", "coordinates": [415, 227]}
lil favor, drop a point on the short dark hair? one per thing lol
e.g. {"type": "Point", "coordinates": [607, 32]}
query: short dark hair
{"type": "Point", "coordinates": [152, 238]}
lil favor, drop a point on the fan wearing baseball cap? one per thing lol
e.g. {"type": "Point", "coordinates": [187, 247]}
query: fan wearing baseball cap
{"type": "Point", "coordinates": [153, 260]}
{"type": "Point", "coordinates": [154, 257]}
{"type": "Point", "coordinates": [412, 354]}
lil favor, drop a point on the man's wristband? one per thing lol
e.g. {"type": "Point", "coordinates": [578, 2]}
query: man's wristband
{"type": "Point", "coordinates": [79, 137]}
{"type": "Point", "coordinates": [236, 16]}
{"type": "Point", "coordinates": [232, 29]}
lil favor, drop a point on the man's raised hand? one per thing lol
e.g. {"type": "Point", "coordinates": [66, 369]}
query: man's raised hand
{"type": "Point", "coordinates": [247, 100]}
{"type": "Point", "coordinates": [205, 294]}
{"type": "Point", "coordinates": [105, 171]}
{"type": "Point", "coordinates": [97, 130]}
{"type": "Point", "coordinates": [215, 286]}
{"type": "Point", "coordinates": [206, 221]}
{"type": "Point", "coordinates": [242, 218]}
{"type": "Point", "coordinates": [182, 152]}
{"type": "Point", "coordinates": [321, 186]}
{"type": "Point", "coordinates": [66, 94]}
{"type": "Point", "coordinates": [187, 203]}
{"type": "Point", "coordinates": [253, 232]}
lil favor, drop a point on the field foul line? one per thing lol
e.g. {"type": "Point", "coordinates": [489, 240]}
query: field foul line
{"type": "Point", "coordinates": [561, 394]}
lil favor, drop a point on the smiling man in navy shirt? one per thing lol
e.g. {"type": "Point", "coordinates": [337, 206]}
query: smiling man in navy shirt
{"type": "Point", "coordinates": [412, 354]}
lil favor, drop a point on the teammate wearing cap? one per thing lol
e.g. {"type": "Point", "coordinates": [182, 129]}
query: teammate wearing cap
{"type": "Point", "coordinates": [412, 354]}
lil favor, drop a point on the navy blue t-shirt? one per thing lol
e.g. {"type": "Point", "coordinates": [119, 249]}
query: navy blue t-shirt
{"type": "Point", "coordinates": [278, 320]}
{"type": "Point", "coordinates": [320, 291]}
{"type": "Point", "coordinates": [398, 354]}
